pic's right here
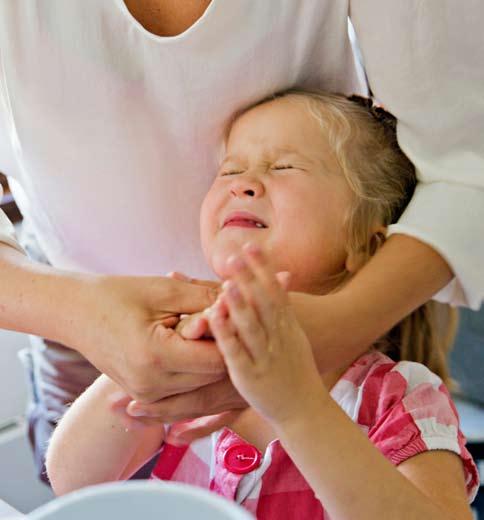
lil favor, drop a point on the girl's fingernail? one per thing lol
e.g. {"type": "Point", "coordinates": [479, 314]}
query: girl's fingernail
{"type": "Point", "coordinates": [236, 262]}
{"type": "Point", "coordinates": [136, 412]}
{"type": "Point", "coordinates": [234, 291]}
{"type": "Point", "coordinates": [252, 249]}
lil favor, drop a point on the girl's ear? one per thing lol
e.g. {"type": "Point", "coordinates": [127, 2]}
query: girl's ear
{"type": "Point", "coordinates": [354, 261]}
{"type": "Point", "coordinates": [357, 259]}
{"type": "Point", "coordinates": [377, 239]}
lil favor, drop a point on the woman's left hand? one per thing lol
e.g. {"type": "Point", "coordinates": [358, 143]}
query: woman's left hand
{"type": "Point", "coordinates": [267, 353]}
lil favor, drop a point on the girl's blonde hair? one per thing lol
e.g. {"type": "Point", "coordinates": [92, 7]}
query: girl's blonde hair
{"type": "Point", "coordinates": [382, 178]}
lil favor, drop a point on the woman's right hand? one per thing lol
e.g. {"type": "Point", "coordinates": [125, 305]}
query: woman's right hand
{"type": "Point", "coordinates": [124, 329]}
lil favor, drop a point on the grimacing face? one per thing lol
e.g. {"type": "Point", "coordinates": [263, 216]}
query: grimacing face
{"type": "Point", "coordinates": [279, 187]}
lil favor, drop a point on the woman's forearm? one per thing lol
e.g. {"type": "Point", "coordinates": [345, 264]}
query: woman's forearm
{"type": "Point", "coordinates": [96, 442]}
{"type": "Point", "coordinates": [121, 324]}
{"type": "Point", "coordinates": [39, 299]}
{"type": "Point", "coordinates": [403, 275]}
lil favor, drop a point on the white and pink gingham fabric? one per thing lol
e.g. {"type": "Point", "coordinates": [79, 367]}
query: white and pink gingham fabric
{"type": "Point", "coordinates": [403, 408]}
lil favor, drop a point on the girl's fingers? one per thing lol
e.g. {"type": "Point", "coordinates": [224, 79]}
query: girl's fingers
{"type": "Point", "coordinates": [234, 353]}
{"type": "Point", "coordinates": [260, 303]}
{"type": "Point", "coordinates": [241, 274]}
{"type": "Point", "coordinates": [249, 328]}
{"type": "Point", "coordinates": [259, 285]}
{"type": "Point", "coordinates": [254, 268]}
{"type": "Point", "coordinates": [262, 271]}
{"type": "Point", "coordinates": [195, 328]}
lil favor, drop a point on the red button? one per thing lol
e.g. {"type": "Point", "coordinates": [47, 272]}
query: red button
{"type": "Point", "coordinates": [242, 458]}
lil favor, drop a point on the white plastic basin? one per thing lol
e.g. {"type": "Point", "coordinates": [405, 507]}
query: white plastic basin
{"type": "Point", "coordinates": [141, 501]}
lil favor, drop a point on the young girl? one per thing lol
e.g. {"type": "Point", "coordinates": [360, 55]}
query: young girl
{"type": "Point", "coordinates": [308, 184]}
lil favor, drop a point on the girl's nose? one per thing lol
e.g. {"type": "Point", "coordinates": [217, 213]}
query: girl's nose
{"type": "Point", "coordinates": [246, 187]}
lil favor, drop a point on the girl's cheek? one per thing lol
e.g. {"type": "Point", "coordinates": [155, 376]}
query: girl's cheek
{"type": "Point", "coordinates": [206, 230]}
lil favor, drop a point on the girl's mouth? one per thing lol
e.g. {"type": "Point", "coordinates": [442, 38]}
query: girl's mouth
{"type": "Point", "coordinates": [244, 223]}
{"type": "Point", "coordinates": [243, 219]}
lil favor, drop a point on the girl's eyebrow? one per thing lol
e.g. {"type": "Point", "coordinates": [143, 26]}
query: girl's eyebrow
{"type": "Point", "coordinates": [229, 158]}
{"type": "Point", "coordinates": [273, 150]}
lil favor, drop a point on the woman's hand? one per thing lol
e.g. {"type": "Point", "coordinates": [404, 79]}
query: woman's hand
{"type": "Point", "coordinates": [267, 353]}
{"type": "Point", "coordinates": [124, 330]}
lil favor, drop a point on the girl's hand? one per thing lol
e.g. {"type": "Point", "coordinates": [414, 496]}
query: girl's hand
{"type": "Point", "coordinates": [267, 353]}
{"type": "Point", "coordinates": [196, 326]}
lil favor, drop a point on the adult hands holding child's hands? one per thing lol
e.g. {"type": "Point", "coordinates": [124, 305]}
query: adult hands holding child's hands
{"type": "Point", "coordinates": [218, 403]}
{"type": "Point", "coordinates": [191, 343]}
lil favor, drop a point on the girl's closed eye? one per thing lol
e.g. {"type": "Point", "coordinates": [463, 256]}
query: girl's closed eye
{"type": "Point", "coordinates": [290, 168]}
{"type": "Point", "coordinates": [277, 167]}
{"type": "Point", "coordinates": [230, 172]}
{"type": "Point", "coordinates": [283, 167]}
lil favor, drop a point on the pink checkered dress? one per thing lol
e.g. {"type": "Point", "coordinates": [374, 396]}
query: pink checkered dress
{"type": "Point", "coordinates": [403, 408]}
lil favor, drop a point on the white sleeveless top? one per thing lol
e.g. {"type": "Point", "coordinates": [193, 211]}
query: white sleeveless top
{"type": "Point", "coordinates": [110, 134]}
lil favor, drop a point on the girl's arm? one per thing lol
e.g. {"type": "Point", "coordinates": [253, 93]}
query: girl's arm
{"type": "Point", "coordinates": [97, 442]}
{"type": "Point", "coordinates": [264, 348]}
{"type": "Point", "coordinates": [352, 479]}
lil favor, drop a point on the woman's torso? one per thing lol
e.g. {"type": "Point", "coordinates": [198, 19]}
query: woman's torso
{"type": "Point", "coordinates": [112, 133]}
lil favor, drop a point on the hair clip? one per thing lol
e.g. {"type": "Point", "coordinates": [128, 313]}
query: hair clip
{"type": "Point", "coordinates": [377, 111]}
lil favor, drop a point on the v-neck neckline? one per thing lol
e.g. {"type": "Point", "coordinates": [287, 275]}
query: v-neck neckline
{"type": "Point", "coordinates": [184, 35]}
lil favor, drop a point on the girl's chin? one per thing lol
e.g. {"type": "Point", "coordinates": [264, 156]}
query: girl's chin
{"type": "Point", "coordinates": [219, 266]}
{"type": "Point", "coordinates": [220, 256]}
{"type": "Point", "coordinates": [219, 262]}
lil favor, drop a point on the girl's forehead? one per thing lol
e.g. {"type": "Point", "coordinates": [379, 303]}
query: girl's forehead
{"type": "Point", "coordinates": [278, 124]}
{"type": "Point", "coordinates": [271, 112]}
{"type": "Point", "coordinates": [278, 127]}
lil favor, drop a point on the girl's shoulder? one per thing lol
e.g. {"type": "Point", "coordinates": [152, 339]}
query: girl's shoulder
{"type": "Point", "coordinates": [375, 387]}
{"type": "Point", "coordinates": [404, 409]}
{"type": "Point", "coordinates": [376, 370]}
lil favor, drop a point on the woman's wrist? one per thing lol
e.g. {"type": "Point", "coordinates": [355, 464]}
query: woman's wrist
{"type": "Point", "coordinates": [81, 293]}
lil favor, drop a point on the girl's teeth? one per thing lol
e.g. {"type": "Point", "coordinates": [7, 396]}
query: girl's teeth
{"type": "Point", "coordinates": [259, 225]}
